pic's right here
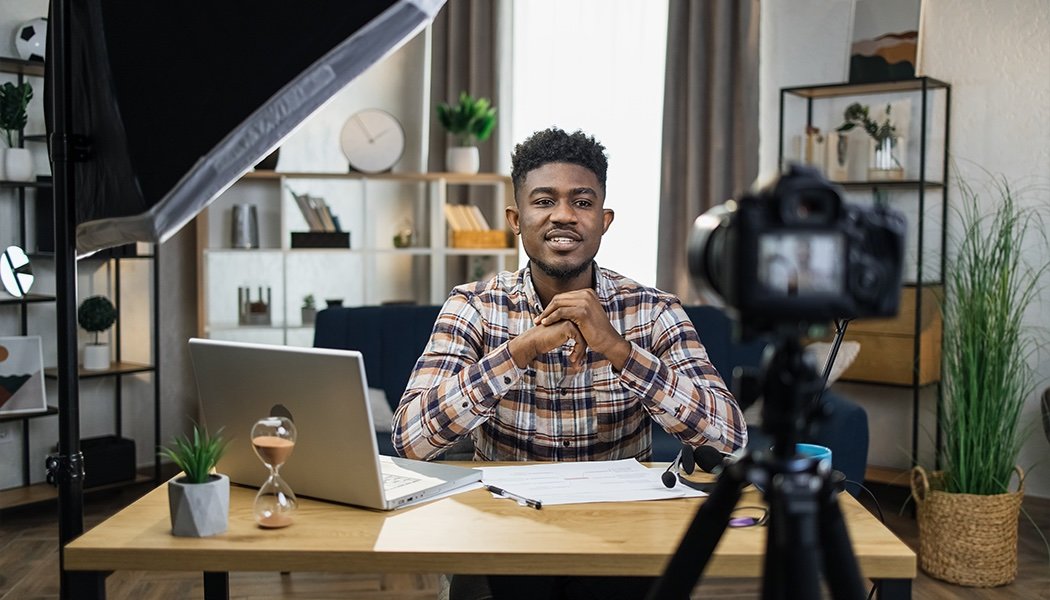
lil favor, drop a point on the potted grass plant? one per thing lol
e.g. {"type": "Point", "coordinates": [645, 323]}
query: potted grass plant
{"type": "Point", "coordinates": [968, 513]}
{"type": "Point", "coordinates": [199, 500]}
{"type": "Point", "coordinates": [470, 121]}
{"type": "Point", "coordinates": [17, 163]}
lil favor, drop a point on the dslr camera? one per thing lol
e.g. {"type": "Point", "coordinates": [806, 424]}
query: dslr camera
{"type": "Point", "coordinates": [795, 253]}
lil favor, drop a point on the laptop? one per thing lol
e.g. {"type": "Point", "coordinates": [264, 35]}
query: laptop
{"type": "Point", "coordinates": [325, 393]}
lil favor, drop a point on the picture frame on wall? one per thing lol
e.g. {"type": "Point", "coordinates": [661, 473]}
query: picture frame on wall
{"type": "Point", "coordinates": [885, 43]}
{"type": "Point", "coordinates": [22, 375]}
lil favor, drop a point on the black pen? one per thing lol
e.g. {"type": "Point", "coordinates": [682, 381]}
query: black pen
{"type": "Point", "coordinates": [521, 499]}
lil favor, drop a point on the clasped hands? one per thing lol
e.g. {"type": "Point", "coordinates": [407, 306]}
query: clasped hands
{"type": "Point", "coordinates": [578, 316]}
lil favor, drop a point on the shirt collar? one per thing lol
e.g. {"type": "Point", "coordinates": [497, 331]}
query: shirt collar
{"type": "Point", "coordinates": [603, 286]}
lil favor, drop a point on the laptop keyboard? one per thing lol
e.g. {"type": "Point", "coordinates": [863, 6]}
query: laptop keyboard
{"type": "Point", "coordinates": [392, 482]}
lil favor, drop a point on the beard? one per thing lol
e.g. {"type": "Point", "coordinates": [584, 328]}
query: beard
{"type": "Point", "coordinates": [563, 272]}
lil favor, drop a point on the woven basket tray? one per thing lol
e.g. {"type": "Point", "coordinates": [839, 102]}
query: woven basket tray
{"type": "Point", "coordinates": [965, 538]}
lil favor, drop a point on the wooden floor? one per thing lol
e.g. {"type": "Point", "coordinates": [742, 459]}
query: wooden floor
{"type": "Point", "coordinates": [29, 565]}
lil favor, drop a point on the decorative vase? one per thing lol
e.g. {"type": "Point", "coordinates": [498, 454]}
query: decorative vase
{"type": "Point", "coordinates": [885, 163]}
{"type": "Point", "coordinates": [462, 159]}
{"type": "Point", "coordinates": [96, 357]}
{"type": "Point", "coordinates": [966, 539]}
{"type": "Point", "coordinates": [18, 165]}
{"type": "Point", "coordinates": [309, 315]}
{"type": "Point", "coordinates": [199, 509]}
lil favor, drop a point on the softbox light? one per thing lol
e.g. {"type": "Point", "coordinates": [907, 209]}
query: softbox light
{"type": "Point", "coordinates": [177, 100]}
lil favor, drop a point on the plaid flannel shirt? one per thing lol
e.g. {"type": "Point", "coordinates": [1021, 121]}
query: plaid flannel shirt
{"type": "Point", "coordinates": [467, 383]}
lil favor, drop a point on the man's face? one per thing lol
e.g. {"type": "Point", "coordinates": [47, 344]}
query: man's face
{"type": "Point", "coordinates": [560, 216]}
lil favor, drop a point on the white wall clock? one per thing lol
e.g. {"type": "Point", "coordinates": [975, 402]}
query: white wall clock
{"type": "Point", "coordinates": [15, 271]}
{"type": "Point", "coordinates": [372, 140]}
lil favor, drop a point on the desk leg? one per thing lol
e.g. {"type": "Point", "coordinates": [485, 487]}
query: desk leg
{"type": "Point", "coordinates": [84, 585]}
{"type": "Point", "coordinates": [894, 589]}
{"type": "Point", "coordinates": [216, 585]}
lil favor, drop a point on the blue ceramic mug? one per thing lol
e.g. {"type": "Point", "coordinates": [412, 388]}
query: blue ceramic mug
{"type": "Point", "coordinates": [820, 453]}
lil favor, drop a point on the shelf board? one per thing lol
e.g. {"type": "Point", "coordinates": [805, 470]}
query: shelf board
{"type": "Point", "coordinates": [25, 184]}
{"type": "Point", "coordinates": [887, 475]}
{"type": "Point", "coordinates": [51, 410]}
{"type": "Point", "coordinates": [115, 368]}
{"type": "Point", "coordinates": [904, 184]}
{"type": "Point", "coordinates": [21, 67]}
{"type": "Point", "coordinates": [28, 299]}
{"type": "Point", "coordinates": [42, 492]}
{"type": "Point", "coordinates": [452, 178]}
{"type": "Point", "coordinates": [858, 89]}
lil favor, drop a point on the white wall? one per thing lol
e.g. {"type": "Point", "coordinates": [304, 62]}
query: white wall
{"type": "Point", "coordinates": [996, 55]}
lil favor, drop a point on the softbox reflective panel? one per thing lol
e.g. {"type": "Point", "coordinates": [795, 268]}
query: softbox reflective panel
{"type": "Point", "coordinates": [179, 99]}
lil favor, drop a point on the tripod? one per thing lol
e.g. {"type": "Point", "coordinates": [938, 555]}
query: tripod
{"type": "Point", "coordinates": [806, 532]}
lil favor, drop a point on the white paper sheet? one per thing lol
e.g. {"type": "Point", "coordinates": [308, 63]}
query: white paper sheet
{"type": "Point", "coordinates": [580, 482]}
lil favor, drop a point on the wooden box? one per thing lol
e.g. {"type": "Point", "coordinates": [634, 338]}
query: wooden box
{"type": "Point", "coordinates": [492, 238]}
{"type": "Point", "coordinates": [887, 350]}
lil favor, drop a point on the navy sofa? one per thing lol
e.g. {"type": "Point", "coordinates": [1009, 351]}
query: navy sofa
{"type": "Point", "coordinates": [391, 338]}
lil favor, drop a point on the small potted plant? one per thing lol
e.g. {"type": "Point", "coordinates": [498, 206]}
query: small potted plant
{"type": "Point", "coordinates": [96, 314]}
{"type": "Point", "coordinates": [884, 164]}
{"type": "Point", "coordinates": [470, 121]}
{"type": "Point", "coordinates": [199, 500]}
{"type": "Point", "coordinates": [309, 309]}
{"type": "Point", "coordinates": [17, 162]}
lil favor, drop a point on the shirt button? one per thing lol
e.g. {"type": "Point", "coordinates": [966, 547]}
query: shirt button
{"type": "Point", "coordinates": [564, 391]}
{"type": "Point", "coordinates": [464, 405]}
{"type": "Point", "coordinates": [567, 443]}
{"type": "Point", "coordinates": [506, 379]}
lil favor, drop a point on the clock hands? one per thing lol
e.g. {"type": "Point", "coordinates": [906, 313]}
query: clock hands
{"type": "Point", "coordinates": [361, 124]}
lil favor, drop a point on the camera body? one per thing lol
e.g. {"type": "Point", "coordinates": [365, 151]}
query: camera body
{"type": "Point", "coordinates": [796, 253]}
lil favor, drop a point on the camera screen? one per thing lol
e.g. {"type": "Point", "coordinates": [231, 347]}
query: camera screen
{"type": "Point", "coordinates": [801, 264]}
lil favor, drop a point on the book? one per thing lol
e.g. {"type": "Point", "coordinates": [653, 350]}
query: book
{"type": "Point", "coordinates": [313, 220]}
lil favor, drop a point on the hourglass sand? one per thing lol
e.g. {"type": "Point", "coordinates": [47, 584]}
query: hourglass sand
{"type": "Point", "coordinates": [273, 439]}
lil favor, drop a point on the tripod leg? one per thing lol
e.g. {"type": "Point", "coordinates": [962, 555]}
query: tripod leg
{"type": "Point", "coordinates": [791, 568]}
{"type": "Point", "coordinates": [700, 539]}
{"type": "Point", "coordinates": [840, 564]}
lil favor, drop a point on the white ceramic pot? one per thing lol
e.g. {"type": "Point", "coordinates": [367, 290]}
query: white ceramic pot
{"type": "Point", "coordinates": [96, 357]}
{"type": "Point", "coordinates": [462, 159]}
{"type": "Point", "coordinates": [199, 509]}
{"type": "Point", "coordinates": [18, 165]}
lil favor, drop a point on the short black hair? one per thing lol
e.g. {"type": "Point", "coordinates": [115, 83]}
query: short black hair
{"type": "Point", "coordinates": [554, 145]}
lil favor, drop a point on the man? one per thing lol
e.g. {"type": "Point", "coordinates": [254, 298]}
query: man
{"type": "Point", "coordinates": [562, 360]}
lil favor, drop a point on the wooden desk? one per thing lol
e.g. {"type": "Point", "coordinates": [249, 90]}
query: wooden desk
{"type": "Point", "coordinates": [470, 532]}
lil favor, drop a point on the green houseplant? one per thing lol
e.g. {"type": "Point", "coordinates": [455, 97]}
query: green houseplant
{"type": "Point", "coordinates": [308, 311]}
{"type": "Point", "coordinates": [986, 348]}
{"type": "Point", "coordinates": [17, 163]}
{"type": "Point", "coordinates": [470, 121]}
{"type": "Point", "coordinates": [199, 500]}
{"type": "Point", "coordinates": [884, 162]}
{"type": "Point", "coordinates": [96, 314]}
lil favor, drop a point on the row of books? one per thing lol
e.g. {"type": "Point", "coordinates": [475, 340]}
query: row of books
{"type": "Point", "coordinates": [317, 213]}
{"type": "Point", "coordinates": [465, 217]}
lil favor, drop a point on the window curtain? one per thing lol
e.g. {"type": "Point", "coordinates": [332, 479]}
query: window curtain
{"type": "Point", "coordinates": [710, 130]}
{"type": "Point", "coordinates": [465, 56]}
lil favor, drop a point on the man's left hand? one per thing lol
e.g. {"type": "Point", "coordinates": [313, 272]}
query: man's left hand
{"type": "Point", "coordinates": [583, 309]}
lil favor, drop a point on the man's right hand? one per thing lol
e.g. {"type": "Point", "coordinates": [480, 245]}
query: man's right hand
{"type": "Point", "coordinates": [544, 338]}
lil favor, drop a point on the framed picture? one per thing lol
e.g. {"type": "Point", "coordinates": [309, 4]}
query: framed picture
{"type": "Point", "coordinates": [885, 40]}
{"type": "Point", "coordinates": [22, 375]}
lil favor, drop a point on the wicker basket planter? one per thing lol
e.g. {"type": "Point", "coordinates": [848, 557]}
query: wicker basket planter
{"type": "Point", "coordinates": [965, 538]}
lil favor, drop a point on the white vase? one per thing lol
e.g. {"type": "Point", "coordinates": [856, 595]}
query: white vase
{"type": "Point", "coordinates": [96, 357]}
{"type": "Point", "coordinates": [462, 159]}
{"type": "Point", "coordinates": [18, 165]}
{"type": "Point", "coordinates": [199, 509]}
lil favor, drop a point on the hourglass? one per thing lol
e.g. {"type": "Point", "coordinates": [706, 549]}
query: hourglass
{"type": "Point", "coordinates": [273, 439]}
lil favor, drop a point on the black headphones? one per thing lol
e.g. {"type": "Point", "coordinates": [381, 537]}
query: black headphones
{"type": "Point", "coordinates": [707, 458]}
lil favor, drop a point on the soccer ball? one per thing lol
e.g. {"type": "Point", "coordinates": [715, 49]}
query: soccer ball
{"type": "Point", "coordinates": [31, 39]}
